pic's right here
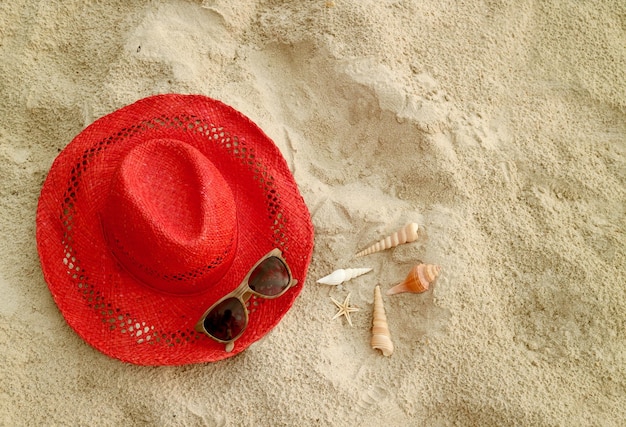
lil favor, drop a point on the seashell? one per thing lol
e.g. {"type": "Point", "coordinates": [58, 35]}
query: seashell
{"type": "Point", "coordinates": [343, 275]}
{"type": "Point", "coordinates": [381, 339]}
{"type": "Point", "coordinates": [405, 235]}
{"type": "Point", "coordinates": [418, 280]}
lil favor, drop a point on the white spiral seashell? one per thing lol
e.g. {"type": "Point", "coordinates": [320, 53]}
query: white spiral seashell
{"type": "Point", "coordinates": [381, 338]}
{"type": "Point", "coordinates": [407, 234]}
{"type": "Point", "coordinates": [343, 275]}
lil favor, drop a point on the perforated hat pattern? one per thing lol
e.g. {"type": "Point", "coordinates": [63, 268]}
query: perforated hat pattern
{"type": "Point", "coordinates": [111, 308]}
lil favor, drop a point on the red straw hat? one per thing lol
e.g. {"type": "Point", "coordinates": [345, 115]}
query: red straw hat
{"type": "Point", "coordinates": [155, 212]}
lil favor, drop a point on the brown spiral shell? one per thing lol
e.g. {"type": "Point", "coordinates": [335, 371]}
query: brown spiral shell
{"type": "Point", "coordinates": [418, 280]}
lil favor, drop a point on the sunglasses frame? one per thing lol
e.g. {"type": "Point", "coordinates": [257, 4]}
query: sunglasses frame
{"type": "Point", "coordinates": [243, 292]}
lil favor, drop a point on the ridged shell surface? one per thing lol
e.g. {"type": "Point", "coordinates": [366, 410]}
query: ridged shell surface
{"type": "Point", "coordinates": [343, 275]}
{"type": "Point", "coordinates": [381, 338]}
{"type": "Point", "coordinates": [407, 234]}
{"type": "Point", "coordinates": [418, 280]}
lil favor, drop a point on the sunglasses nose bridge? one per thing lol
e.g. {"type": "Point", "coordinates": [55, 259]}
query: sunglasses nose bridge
{"type": "Point", "coordinates": [243, 292]}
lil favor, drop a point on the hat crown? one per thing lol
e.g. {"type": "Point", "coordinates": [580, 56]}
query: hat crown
{"type": "Point", "coordinates": [170, 217]}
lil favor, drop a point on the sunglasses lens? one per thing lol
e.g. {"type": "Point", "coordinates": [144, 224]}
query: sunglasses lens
{"type": "Point", "coordinates": [270, 278]}
{"type": "Point", "coordinates": [226, 320]}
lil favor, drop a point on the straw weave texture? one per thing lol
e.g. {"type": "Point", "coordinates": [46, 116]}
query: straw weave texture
{"type": "Point", "coordinates": [109, 307]}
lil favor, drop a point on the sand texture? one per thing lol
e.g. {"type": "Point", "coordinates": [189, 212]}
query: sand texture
{"type": "Point", "coordinates": [498, 126]}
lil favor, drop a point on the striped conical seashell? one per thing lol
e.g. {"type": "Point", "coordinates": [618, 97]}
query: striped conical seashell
{"type": "Point", "coordinates": [381, 338]}
{"type": "Point", "coordinates": [343, 275]}
{"type": "Point", "coordinates": [407, 234]}
{"type": "Point", "coordinates": [418, 280]}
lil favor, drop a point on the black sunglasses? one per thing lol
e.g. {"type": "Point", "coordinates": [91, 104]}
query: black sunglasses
{"type": "Point", "coordinates": [227, 319]}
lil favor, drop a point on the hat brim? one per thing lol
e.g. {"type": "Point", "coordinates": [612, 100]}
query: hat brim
{"type": "Point", "coordinates": [106, 306]}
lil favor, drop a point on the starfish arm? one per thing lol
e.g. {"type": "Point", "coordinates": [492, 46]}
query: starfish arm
{"type": "Point", "coordinates": [339, 313]}
{"type": "Point", "coordinates": [348, 318]}
{"type": "Point", "coordinates": [337, 303]}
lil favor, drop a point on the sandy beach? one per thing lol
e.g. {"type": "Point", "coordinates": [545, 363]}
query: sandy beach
{"type": "Point", "coordinates": [499, 127]}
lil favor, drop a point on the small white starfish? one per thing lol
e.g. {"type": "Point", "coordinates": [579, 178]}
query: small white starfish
{"type": "Point", "coordinates": [344, 309]}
